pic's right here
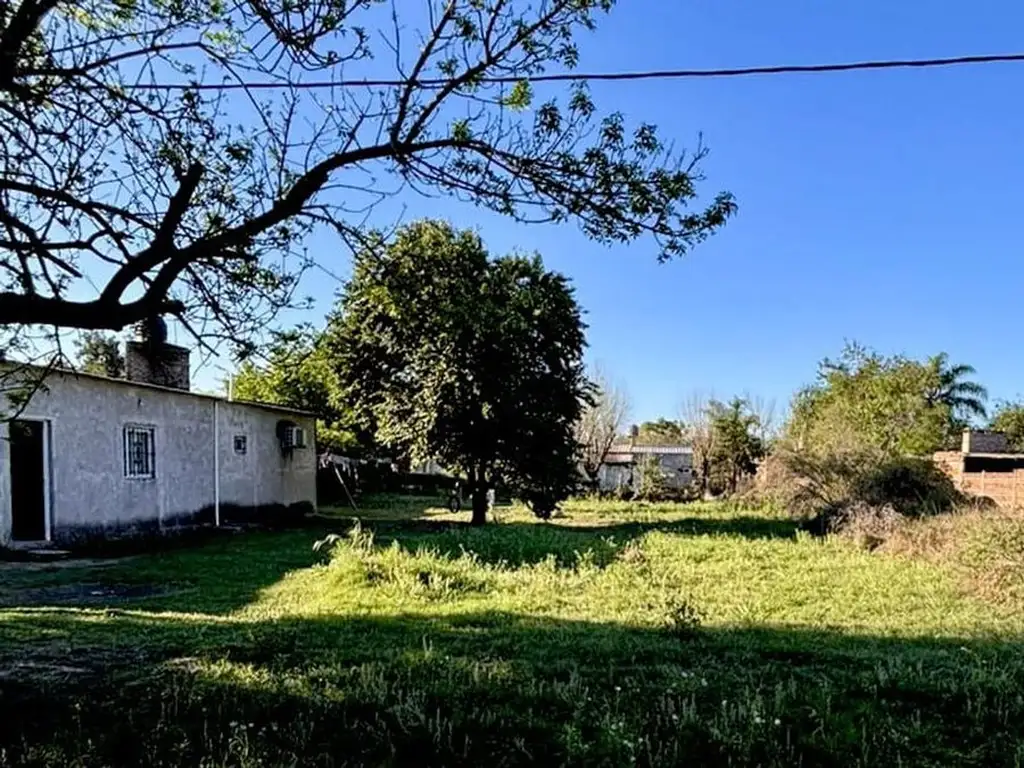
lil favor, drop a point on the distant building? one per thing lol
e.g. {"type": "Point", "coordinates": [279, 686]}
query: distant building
{"type": "Point", "coordinates": [985, 466]}
{"type": "Point", "coordinates": [428, 467]}
{"type": "Point", "coordinates": [619, 467]}
{"type": "Point", "coordinates": [90, 457]}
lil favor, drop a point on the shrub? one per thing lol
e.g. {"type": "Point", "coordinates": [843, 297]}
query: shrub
{"type": "Point", "coordinates": [806, 483]}
{"type": "Point", "coordinates": [913, 486]}
{"type": "Point", "coordinates": [984, 546]}
{"type": "Point", "coordinates": [868, 526]}
{"type": "Point", "coordinates": [809, 485]}
{"type": "Point", "coordinates": [862, 495]}
{"type": "Point", "coordinates": [684, 619]}
{"type": "Point", "coordinates": [651, 482]}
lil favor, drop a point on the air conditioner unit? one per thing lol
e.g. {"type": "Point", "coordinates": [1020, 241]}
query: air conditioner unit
{"type": "Point", "coordinates": [294, 437]}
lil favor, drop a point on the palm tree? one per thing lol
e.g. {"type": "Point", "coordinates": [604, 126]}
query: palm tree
{"type": "Point", "coordinates": [950, 387]}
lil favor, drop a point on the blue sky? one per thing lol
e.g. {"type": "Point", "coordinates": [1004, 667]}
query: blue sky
{"type": "Point", "coordinates": [876, 206]}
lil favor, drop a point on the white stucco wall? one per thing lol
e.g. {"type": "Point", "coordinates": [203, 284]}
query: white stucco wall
{"type": "Point", "coordinates": [89, 494]}
{"type": "Point", "coordinates": [263, 475]}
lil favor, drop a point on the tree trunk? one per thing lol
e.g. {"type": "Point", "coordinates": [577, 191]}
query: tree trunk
{"type": "Point", "coordinates": [479, 505]}
{"type": "Point", "coordinates": [478, 495]}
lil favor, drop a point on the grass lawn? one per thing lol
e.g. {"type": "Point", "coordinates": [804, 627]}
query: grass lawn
{"type": "Point", "coordinates": [617, 635]}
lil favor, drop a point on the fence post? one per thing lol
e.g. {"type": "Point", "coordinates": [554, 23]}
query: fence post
{"type": "Point", "coordinates": [983, 482]}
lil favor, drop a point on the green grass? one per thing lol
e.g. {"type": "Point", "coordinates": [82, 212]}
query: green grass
{"type": "Point", "coordinates": [620, 634]}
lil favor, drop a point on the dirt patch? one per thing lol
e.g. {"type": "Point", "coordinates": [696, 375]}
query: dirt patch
{"type": "Point", "coordinates": [88, 595]}
{"type": "Point", "coordinates": [59, 663]}
{"type": "Point", "coordinates": [41, 671]}
{"type": "Point", "coordinates": [35, 566]}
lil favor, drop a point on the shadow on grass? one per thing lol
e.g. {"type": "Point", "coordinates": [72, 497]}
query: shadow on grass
{"type": "Point", "coordinates": [217, 576]}
{"type": "Point", "coordinates": [496, 688]}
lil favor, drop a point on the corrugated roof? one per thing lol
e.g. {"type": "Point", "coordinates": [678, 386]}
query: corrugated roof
{"type": "Point", "coordinates": [662, 450]}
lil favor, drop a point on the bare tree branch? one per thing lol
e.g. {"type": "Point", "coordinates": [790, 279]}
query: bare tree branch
{"type": "Point", "coordinates": [119, 202]}
{"type": "Point", "coordinates": [601, 422]}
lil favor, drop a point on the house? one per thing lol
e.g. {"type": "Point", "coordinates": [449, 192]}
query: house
{"type": "Point", "coordinates": [985, 466]}
{"type": "Point", "coordinates": [618, 470]}
{"type": "Point", "coordinates": [90, 457]}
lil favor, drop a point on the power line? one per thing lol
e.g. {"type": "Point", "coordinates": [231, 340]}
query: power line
{"type": "Point", "coordinates": [664, 74]}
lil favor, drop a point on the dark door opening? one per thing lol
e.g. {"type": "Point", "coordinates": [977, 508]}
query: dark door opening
{"type": "Point", "coordinates": [28, 481]}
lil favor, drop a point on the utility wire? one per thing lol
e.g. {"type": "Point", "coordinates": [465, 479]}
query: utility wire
{"type": "Point", "coordinates": [664, 74]}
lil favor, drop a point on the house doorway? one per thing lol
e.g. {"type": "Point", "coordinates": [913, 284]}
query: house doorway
{"type": "Point", "coordinates": [28, 480]}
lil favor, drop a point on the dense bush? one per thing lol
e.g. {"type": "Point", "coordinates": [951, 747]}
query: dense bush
{"type": "Point", "coordinates": [869, 526]}
{"type": "Point", "coordinates": [805, 483]}
{"type": "Point", "coordinates": [912, 486]}
{"type": "Point", "coordinates": [860, 492]}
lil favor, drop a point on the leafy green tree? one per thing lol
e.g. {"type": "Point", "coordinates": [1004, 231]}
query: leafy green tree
{"type": "Point", "coordinates": [737, 448]}
{"type": "Point", "coordinates": [473, 362]}
{"type": "Point", "coordinates": [194, 202]}
{"type": "Point", "coordinates": [965, 399]}
{"type": "Point", "coordinates": [1009, 419]}
{"type": "Point", "coordinates": [300, 374]}
{"type": "Point", "coordinates": [660, 431]}
{"type": "Point", "coordinates": [100, 354]}
{"type": "Point", "coordinates": [650, 482]}
{"type": "Point", "coordinates": [864, 401]}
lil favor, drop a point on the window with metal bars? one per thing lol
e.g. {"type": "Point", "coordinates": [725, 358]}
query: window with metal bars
{"type": "Point", "coordinates": [139, 452]}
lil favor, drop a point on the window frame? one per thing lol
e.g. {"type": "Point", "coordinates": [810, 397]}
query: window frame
{"type": "Point", "coordinates": [127, 433]}
{"type": "Point", "coordinates": [244, 444]}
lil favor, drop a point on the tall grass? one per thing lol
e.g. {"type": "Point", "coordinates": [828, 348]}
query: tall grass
{"type": "Point", "coordinates": [985, 547]}
{"type": "Point", "coordinates": [620, 635]}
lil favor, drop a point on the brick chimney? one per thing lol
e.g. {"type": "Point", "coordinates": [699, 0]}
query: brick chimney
{"type": "Point", "coordinates": [983, 441]}
{"type": "Point", "coordinates": [157, 363]}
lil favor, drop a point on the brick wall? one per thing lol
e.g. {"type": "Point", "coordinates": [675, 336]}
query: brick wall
{"type": "Point", "coordinates": [1004, 488]}
{"type": "Point", "coordinates": [950, 462]}
{"type": "Point", "coordinates": [169, 368]}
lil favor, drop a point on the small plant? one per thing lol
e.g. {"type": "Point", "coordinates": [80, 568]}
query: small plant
{"type": "Point", "coordinates": [650, 483]}
{"type": "Point", "coordinates": [683, 618]}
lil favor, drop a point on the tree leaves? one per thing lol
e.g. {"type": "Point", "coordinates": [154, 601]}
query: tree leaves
{"type": "Point", "coordinates": [865, 401]}
{"type": "Point", "coordinates": [96, 174]}
{"type": "Point", "coordinates": [301, 374]}
{"type": "Point", "coordinates": [456, 357]}
{"type": "Point", "coordinates": [100, 354]}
